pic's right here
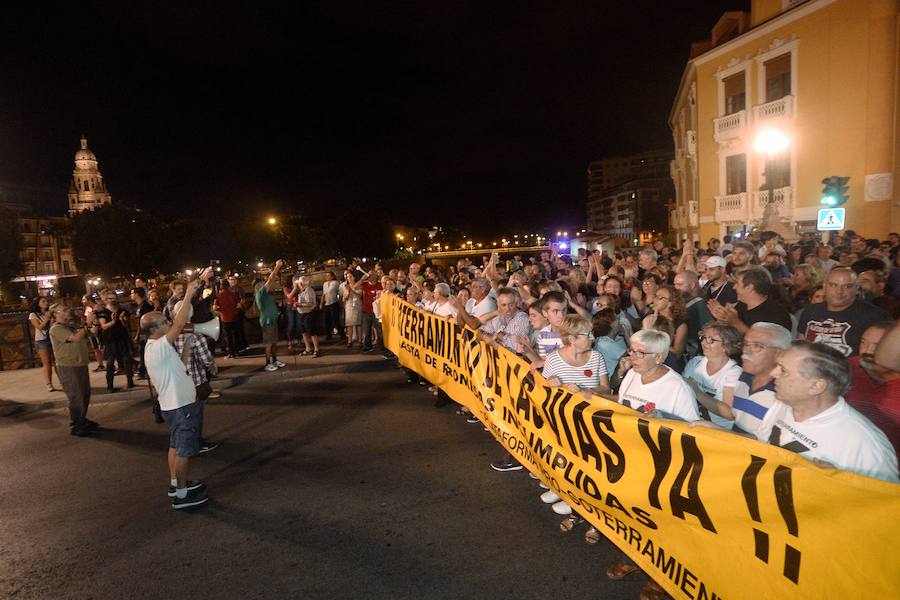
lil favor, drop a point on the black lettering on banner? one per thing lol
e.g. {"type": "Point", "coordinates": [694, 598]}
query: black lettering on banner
{"type": "Point", "coordinates": [587, 449]}
{"type": "Point", "coordinates": [662, 458]}
{"type": "Point", "coordinates": [602, 419]}
{"type": "Point", "coordinates": [440, 339]}
{"type": "Point", "coordinates": [414, 322]}
{"type": "Point", "coordinates": [613, 502]}
{"type": "Point", "coordinates": [549, 407]}
{"type": "Point", "coordinates": [643, 517]}
{"type": "Point", "coordinates": [563, 404]}
{"type": "Point", "coordinates": [690, 470]}
{"type": "Point", "coordinates": [690, 579]}
{"type": "Point", "coordinates": [784, 495]}
{"type": "Point", "coordinates": [545, 451]}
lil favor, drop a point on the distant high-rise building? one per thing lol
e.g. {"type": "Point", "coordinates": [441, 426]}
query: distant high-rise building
{"type": "Point", "coordinates": [86, 190]}
{"type": "Point", "coordinates": [628, 196]}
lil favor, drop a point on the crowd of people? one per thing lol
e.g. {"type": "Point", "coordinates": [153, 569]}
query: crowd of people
{"type": "Point", "coordinates": [791, 344]}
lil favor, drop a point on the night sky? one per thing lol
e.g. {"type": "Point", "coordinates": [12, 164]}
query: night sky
{"type": "Point", "coordinates": [473, 114]}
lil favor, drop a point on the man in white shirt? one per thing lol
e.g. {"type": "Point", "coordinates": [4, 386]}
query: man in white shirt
{"type": "Point", "coordinates": [481, 304]}
{"type": "Point", "coordinates": [177, 398]}
{"type": "Point", "coordinates": [811, 417]}
{"type": "Point", "coordinates": [443, 307]}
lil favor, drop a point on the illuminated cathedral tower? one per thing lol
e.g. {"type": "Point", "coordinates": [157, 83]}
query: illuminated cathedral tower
{"type": "Point", "coordinates": [86, 190]}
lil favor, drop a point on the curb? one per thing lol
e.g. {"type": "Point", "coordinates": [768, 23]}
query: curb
{"type": "Point", "coordinates": [9, 408]}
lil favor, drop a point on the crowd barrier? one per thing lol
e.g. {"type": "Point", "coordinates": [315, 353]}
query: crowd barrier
{"type": "Point", "coordinates": [707, 514]}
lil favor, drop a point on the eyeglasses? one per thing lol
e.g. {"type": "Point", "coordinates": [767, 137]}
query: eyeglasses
{"type": "Point", "coordinates": [711, 340]}
{"type": "Point", "coordinates": [588, 335]}
{"type": "Point", "coordinates": [639, 353]}
{"type": "Point", "coordinates": [754, 346]}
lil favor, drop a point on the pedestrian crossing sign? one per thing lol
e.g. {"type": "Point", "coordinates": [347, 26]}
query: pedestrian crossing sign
{"type": "Point", "coordinates": [831, 219]}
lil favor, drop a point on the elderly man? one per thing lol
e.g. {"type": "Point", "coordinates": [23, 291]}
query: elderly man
{"type": "Point", "coordinates": [442, 305]}
{"type": "Point", "coordinates": [755, 389]}
{"type": "Point", "coordinates": [481, 303]}
{"type": "Point", "coordinates": [177, 399]}
{"type": "Point", "coordinates": [840, 321]}
{"type": "Point", "coordinates": [69, 341]}
{"type": "Point", "coordinates": [647, 262]}
{"type": "Point", "coordinates": [756, 304]}
{"type": "Point", "coordinates": [811, 417]}
{"type": "Point", "coordinates": [876, 389]}
{"type": "Point", "coordinates": [306, 306]}
{"type": "Point", "coordinates": [506, 327]}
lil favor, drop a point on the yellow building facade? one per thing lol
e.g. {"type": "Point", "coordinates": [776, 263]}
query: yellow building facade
{"type": "Point", "coordinates": [820, 78]}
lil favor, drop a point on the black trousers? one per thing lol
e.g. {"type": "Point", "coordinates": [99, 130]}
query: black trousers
{"type": "Point", "coordinates": [332, 318]}
{"type": "Point", "coordinates": [232, 342]}
{"type": "Point", "coordinates": [118, 353]}
{"type": "Point", "coordinates": [368, 322]}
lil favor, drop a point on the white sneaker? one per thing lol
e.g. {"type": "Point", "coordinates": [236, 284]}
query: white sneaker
{"type": "Point", "coordinates": [543, 485]}
{"type": "Point", "coordinates": [271, 367]}
{"type": "Point", "coordinates": [549, 497]}
{"type": "Point", "coordinates": [279, 364]}
{"type": "Point", "coordinates": [532, 475]}
{"type": "Point", "coordinates": [561, 508]}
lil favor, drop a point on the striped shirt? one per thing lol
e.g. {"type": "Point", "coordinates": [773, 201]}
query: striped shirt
{"type": "Point", "coordinates": [750, 406]}
{"type": "Point", "coordinates": [547, 341]}
{"type": "Point", "coordinates": [511, 329]}
{"type": "Point", "coordinates": [586, 376]}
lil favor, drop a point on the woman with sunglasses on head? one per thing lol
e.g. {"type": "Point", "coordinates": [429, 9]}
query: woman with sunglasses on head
{"type": "Point", "coordinates": [715, 374]}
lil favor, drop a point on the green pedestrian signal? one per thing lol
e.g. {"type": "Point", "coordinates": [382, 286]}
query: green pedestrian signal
{"type": "Point", "coordinates": [835, 192]}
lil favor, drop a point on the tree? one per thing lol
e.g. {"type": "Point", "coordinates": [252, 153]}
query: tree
{"type": "Point", "coordinates": [117, 240]}
{"type": "Point", "coordinates": [10, 245]}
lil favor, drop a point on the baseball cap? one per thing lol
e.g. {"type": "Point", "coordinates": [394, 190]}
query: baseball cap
{"type": "Point", "coordinates": [715, 261]}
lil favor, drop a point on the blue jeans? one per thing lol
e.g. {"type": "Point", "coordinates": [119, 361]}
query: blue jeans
{"type": "Point", "coordinates": [293, 322]}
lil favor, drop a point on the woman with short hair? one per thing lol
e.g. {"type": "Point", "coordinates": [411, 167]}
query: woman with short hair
{"type": "Point", "coordinates": [714, 375]}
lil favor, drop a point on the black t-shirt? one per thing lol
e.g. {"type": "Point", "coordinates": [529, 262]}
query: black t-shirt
{"type": "Point", "coordinates": [725, 294]}
{"type": "Point", "coordinates": [769, 311]}
{"type": "Point", "coordinates": [842, 330]}
{"type": "Point", "coordinates": [117, 332]}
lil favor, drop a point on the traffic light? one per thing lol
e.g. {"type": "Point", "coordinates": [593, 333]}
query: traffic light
{"type": "Point", "coordinates": [835, 192]}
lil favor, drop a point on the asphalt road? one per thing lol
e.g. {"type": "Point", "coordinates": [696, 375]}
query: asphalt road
{"type": "Point", "coordinates": [343, 485]}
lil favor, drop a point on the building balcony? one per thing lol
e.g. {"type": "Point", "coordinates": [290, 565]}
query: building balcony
{"type": "Point", "coordinates": [784, 203]}
{"type": "Point", "coordinates": [729, 126]}
{"type": "Point", "coordinates": [733, 209]}
{"type": "Point", "coordinates": [780, 109]}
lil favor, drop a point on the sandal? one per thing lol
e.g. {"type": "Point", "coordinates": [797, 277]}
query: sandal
{"type": "Point", "coordinates": [653, 591]}
{"type": "Point", "coordinates": [570, 523]}
{"type": "Point", "coordinates": [621, 570]}
{"type": "Point", "coordinates": [592, 536]}
{"type": "Point", "coordinates": [305, 353]}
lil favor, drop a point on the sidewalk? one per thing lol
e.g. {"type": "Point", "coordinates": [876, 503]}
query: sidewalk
{"type": "Point", "coordinates": [24, 390]}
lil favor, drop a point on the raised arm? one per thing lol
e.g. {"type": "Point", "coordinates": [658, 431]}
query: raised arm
{"type": "Point", "coordinates": [273, 276]}
{"type": "Point", "coordinates": [184, 311]}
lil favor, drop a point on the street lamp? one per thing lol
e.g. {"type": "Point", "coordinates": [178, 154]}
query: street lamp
{"type": "Point", "coordinates": [770, 142]}
{"type": "Point", "coordinates": [273, 221]}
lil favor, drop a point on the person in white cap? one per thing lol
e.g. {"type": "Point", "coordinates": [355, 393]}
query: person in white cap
{"type": "Point", "coordinates": [718, 286]}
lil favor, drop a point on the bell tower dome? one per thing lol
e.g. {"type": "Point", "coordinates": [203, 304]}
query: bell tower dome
{"type": "Point", "coordinates": [87, 190]}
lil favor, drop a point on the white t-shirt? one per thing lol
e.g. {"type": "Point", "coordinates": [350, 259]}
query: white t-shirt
{"type": "Point", "coordinates": [840, 435]}
{"type": "Point", "coordinates": [330, 291]}
{"type": "Point", "coordinates": [669, 394]}
{"type": "Point", "coordinates": [750, 406]}
{"type": "Point", "coordinates": [714, 384]}
{"type": "Point", "coordinates": [586, 376]}
{"type": "Point", "coordinates": [486, 305]}
{"type": "Point", "coordinates": [39, 334]}
{"type": "Point", "coordinates": [445, 310]}
{"type": "Point", "coordinates": [169, 375]}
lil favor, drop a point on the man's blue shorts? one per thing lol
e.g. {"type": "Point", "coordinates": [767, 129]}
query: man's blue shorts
{"type": "Point", "coordinates": [184, 428]}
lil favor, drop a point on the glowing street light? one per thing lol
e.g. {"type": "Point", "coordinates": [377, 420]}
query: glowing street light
{"type": "Point", "coordinates": [273, 221]}
{"type": "Point", "coordinates": [770, 142]}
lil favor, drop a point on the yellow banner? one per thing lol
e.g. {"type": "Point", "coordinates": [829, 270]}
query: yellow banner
{"type": "Point", "coordinates": [706, 514]}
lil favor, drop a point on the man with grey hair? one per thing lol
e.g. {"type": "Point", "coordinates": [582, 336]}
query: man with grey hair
{"type": "Point", "coordinates": [647, 259]}
{"type": "Point", "coordinates": [841, 320]}
{"type": "Point", "coordinates": [70, 348]}
{"type": "Point", "coordinates": [755, 389]}
{"type": "Point", "coordinates": [177, 398]}
{"type": "Point", "coordinates": [811, 417]}
{"type": "Point", "coordinates": [443, 307]}
{"type": "Point", "coordinates": [481, 305]}
{"type": "Point", "coordinates": [306, 306]}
